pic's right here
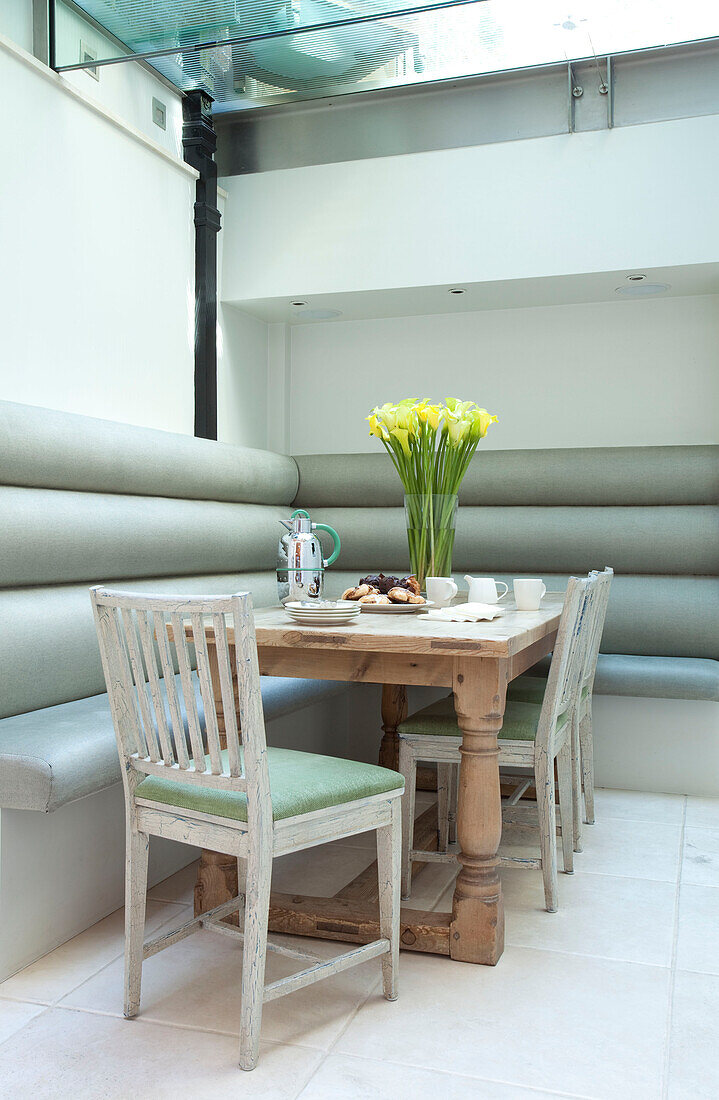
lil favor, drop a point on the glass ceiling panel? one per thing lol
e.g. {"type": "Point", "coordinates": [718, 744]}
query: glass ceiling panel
{"type": "Point", "coordinates": [267, 51]}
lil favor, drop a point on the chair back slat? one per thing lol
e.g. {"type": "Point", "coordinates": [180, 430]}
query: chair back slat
{"type": "Point", "coordinates": [138, 675]}
{"type": "Point", "coordinates": [168, 676]}
{"type": "Point", "coordinates": [123, 701]}
{"type": "Point", "coordinates": [143, 641]}
{"type": "Point", "coordinates": [188, 691]}
{"type": "Point", "coordinates": [602, 584]}
{"type": "Point", "coordinates": [229, 712]}
{"type": "Point", "coordinates": [207, 693]}
{"type": "Point", "coordinates": [566, 662]}
{"type": "Point", "coordinates": [158, 703]}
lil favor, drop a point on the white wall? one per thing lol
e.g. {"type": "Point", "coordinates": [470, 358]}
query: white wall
{"type": "Point", "coordinates": [598, 201]}
{"type": "Point", "coordinates": [606, 374]}
{"type": "Point", "coordinates": [97, 278]}
{"type": "Point", "coordinates": [241, 378]}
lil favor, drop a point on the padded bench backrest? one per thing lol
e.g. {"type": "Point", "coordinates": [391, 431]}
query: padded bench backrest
{"type": "Point", "coordinates": [86, 501]}
{"type": "Point", "coordinates": [652, 513]}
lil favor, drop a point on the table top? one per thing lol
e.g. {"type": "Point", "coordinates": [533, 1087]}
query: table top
{"type": "Point", "coordinates": [503, 637]}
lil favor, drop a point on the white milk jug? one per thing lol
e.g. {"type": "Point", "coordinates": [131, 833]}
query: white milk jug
{"type": "Point", "coordinates": [484, 590]}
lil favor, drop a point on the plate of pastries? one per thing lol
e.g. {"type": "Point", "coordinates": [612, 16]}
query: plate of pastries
{"type": "Point", "coordinates": [387, 595]}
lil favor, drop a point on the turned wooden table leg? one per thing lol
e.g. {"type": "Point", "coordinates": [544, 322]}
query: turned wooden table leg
{"type": "Point", "coordinates": [477, 929]}
{"type": "Point", "coordinates": [394, 711]}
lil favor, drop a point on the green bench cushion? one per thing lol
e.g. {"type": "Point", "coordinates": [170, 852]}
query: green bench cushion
{"type": "Point", "coordinates": [57, 754]}
{"type": "Point", "coordinates": [439, 720]}
{"type": "Point", "coordinates": [300, 782]}
{"type": "Point", "coordinates": [648, 677]}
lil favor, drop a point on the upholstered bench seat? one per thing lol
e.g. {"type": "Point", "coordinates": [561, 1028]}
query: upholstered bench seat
{"type": "Point", "coordinates": [651, 677]}
{"type": "Point", "coordinates": [300, 783]}
{"type": "Point", "coordinates": [52, 756]}
{"type": "Point", "coordinates": [440, 720]}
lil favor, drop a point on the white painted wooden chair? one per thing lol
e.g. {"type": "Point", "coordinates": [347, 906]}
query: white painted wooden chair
{"type": "Point", "coordinates": [530, 689]}
{"type": "Point", "coordinates": [532, 738]}
{"type": "Point", "coordinates": [245, 800]}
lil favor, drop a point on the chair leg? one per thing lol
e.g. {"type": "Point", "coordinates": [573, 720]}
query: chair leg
{"type": "Point", "coordinates": [444, 782]}
{"type": "Point", "coordinates": [576, 782]}
{"type": "Point", "coordinates": [453, 799]}
{"type": "Point", "coordinates": [389, 865]}
{"type": "Point", "coordinates": [257, 908]}
{"type": "Point", "coordinates": [566, 804]}
{"type": "Point", "coordinates": [544, 783]}
{"type": "Point", "coordinates": [138, 848]}
{"type": "Point", "coordinates": [586, 743]}
{"type": "Point", "coordinates": [408, 768]}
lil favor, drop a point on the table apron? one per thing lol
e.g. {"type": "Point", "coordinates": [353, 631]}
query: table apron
{"type": "Point", "coordinates": [425, 670]}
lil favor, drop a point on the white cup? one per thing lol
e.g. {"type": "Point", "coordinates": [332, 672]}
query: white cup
{"type": "Point", "coordinates": [528, 594]}
{"type": "Point", "coordinates": [484, 590]}
{"type": "Point", "coordinates": [441, 590]}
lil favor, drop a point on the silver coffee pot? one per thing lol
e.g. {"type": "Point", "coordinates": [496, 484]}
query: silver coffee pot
{"type": "Point", "coordinates": [300, 565]}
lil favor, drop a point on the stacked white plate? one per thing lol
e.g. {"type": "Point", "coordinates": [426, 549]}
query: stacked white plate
{"type": "Point", "coordinates": [323, 612]}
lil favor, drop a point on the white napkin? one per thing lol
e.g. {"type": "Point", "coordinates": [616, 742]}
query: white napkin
{"type": "Point", "coordinates": [466, 613]}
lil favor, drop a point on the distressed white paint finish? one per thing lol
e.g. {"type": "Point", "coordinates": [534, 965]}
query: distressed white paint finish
{"type": "Point", "coordinates": [134, 661]}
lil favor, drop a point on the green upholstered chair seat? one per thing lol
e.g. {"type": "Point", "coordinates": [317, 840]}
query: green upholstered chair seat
{"type": "Point", "coordinates": [439, 720]}
{"type": "Point", "coordinates": [530, 689]}
{"type": "Point", "coordinates": [300, 782]}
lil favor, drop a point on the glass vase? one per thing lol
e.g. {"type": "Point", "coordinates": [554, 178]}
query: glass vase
{"type": "Point", "coordinates": [431, 521]}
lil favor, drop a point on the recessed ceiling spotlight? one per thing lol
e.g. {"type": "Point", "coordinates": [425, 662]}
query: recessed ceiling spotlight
{"type": "Point", "coordinates": [457, 290]}
{"type": "Point", "coordinates": [298, 304]}
{"type": "Point", "coordinates": [320, 314]}
{"type": "Point", "coordinates": [636, 278]}
{"type": "Point", "coordinates": [641, 290]}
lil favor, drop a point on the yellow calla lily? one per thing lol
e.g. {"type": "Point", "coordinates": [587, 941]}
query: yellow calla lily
{"type": "Point", "coordinates": [403, 436]}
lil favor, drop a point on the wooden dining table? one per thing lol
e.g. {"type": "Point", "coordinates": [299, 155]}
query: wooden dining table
{"type": "Point", "coordinates": [476, 661]}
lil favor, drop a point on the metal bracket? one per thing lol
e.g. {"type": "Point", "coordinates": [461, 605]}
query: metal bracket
{"type": "Point", "coordinates": [574, 92]}
{"type": "Point", "coordinates": [606, 88]}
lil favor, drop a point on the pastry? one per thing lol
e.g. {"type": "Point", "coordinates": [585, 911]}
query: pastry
{"type": "Point", "coordinates": [375, 597]}
{"type": "Point", "coordinates": [399, 595]}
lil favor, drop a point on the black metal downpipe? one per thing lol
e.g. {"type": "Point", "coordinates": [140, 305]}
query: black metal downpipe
{"type": "Point", "coordinates": [199, 143]}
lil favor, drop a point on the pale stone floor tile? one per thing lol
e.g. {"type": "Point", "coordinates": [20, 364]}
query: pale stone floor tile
{"type": "Point", "coordinates": [567, 1023]}
{"type": "Point", "coordinates": [701, 857]}
{"type": "Point", "coordinates": [197, 983]}
{"type": "Point", "coordinates": [66, 1055]}
{"type": "Point", "coordinates": [602, 915]}
{"type": "Point", "coordinates": [178, 887]}
{"type": "Point", "coordinates": [632, 849]}
{"type": "Point", "coordinates": [14, 1015]}
{"type": "Point", "coordinates": [344, 1078]}
{"type": "Point", "coordinates": [693, 1060]}
{"type": "Point", "coordinates": [55, 974]}
{"type": "Point", "coordinates": [703, 813]}
{"type": "Point", "coordinates": [698, 926]}
{"type": "Point", "coordinates": [639, 806]}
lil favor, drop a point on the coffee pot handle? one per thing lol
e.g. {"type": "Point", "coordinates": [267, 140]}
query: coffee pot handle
{"type": "Point", "coordinates": [336, 551]}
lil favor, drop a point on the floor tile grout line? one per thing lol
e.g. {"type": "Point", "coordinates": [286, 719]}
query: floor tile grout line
{"type": "Point", "coordinates": [673, 968]}
{"type": "Point", "coordinates": [89, 977]}
{"type": "Point", "coordinates": [141, 1018]}
{"type": "Point", "coordinates": [43, 1010]}
{"type": "Point", "coordinates": [337, 1038]}
{"type": "Point", "coordinates": [469, 1077]}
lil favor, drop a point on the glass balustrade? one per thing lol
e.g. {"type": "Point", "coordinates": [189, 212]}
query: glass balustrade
{"type": "Point", "coordinates": [252, 52]}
